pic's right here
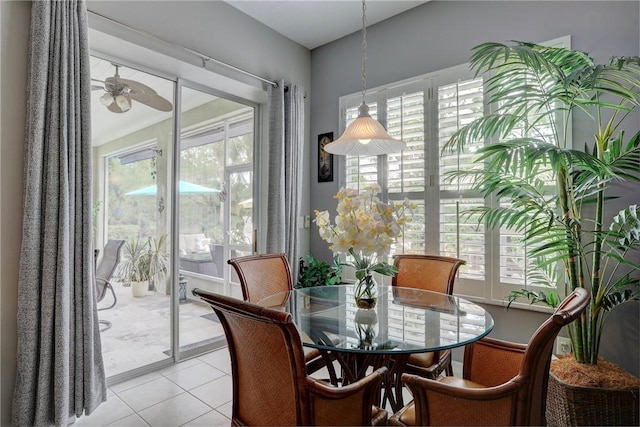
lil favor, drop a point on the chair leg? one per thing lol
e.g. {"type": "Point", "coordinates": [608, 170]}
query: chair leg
{"type": "Point", "coordinates": [449, 368]}
{"type": "Point", "coordinates": [115, 299]}
{"type": "Point", "coordinates": [106, 324]}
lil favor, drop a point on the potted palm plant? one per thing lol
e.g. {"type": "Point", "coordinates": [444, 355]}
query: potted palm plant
{"type": "Point", "coordinates": [144, 262]}
{"type": "Point", "coordinates": [558, 195]}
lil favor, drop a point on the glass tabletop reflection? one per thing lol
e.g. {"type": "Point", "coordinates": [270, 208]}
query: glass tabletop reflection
{"type": "Point", "coordinates": [405, 320]}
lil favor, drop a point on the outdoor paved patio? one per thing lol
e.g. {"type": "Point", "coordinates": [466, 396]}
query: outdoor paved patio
{"type": "Point", "coordinates": [140, 331]}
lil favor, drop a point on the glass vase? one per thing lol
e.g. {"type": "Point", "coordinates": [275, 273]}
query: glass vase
{"type": "Point", "coordinates": [366, 292]}
{"type": "Point", "coordinates": [366, 322]}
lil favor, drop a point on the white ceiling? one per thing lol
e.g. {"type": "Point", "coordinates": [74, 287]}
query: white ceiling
{"type": "Point", "coordinates": [313, 23]}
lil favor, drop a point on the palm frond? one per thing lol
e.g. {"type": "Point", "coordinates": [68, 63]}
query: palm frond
{"type": "Point", "coordinates": [526, 152]}
{"type": "Point", "coordinates": [549, 298]}
{"type": "Point", "coordinates": [614, 299]}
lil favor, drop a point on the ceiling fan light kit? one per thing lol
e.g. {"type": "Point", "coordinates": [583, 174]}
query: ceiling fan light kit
{"type": "Point", "coordinates": [365, 136]}
{"type": "Point", "coordinates": [124, 102]}
{"type": "Point", "coordinates": [107, 99]}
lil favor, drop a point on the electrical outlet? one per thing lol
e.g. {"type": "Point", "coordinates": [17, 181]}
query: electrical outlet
{"type": "Point", "coordinates": [563, 346]}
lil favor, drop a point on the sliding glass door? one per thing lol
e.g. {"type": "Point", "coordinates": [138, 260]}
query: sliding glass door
{"type": "Point", "coordinates": [215, 209]}
{"type": "Point", "coordinates": [132, 119]}
{"type": "Point", "coordinates": [177, 180]}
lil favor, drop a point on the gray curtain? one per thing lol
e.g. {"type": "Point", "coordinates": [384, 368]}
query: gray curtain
{"type": "Point", "coordinates": [286, 142]}
{"type": "Point", "coordinates": [60, 372]}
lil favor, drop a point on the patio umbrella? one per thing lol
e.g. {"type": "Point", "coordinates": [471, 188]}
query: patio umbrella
{"type": "Point", "coordinates": [184, 187]}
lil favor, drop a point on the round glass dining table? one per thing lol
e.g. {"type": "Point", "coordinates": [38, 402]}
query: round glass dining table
{"type": "Point", "coordinates": [404, 321]}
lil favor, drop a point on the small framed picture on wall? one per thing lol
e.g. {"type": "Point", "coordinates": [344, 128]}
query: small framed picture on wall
{"type": "Point", "coordinates": [325, 160]}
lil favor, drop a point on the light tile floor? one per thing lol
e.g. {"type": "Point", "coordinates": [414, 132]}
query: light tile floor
{"type": "Point", "coordinates": [196, 392]}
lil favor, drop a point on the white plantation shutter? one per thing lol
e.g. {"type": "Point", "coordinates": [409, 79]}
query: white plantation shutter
{"type": "Point", "coordinates": [458, 104]}
{"type": "Point", "coordinates": [512, 258]}
{"type": "Point", "coordinates": [405, 121]}
{"type": "Point", "coordinates": [424, 112]}
{"type": "Point", "coordinates": [462, 237]}
{"type": "Point", "coordinates": [406, 171]}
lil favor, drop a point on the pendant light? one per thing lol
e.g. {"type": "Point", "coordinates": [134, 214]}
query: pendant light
{"type": "Point", "coordinates": [365, 136]}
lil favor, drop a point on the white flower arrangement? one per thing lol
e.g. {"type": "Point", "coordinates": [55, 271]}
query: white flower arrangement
{"type": "Point", "coordinates": [365, 227]}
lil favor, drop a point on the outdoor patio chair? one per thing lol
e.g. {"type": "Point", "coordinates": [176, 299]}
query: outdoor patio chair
{"type": "Point", "coordinates": [502, 383]}
{"type": "Point", "coordinates": [104, 272]}
{"type": "Point", "coordinates": [433, 273]}
{"type": "Point", "coordinates": [271, 385]}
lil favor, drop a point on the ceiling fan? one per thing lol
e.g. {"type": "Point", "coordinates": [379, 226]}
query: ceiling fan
{"type": "Point", "coordinates": [119, 92]}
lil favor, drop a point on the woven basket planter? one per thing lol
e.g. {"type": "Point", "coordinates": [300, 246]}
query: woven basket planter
{"type": "Point", "coordinates": [569, 405]}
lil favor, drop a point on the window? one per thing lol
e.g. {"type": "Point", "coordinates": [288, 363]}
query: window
{"type": "Point", "coordinates": [424, 112]}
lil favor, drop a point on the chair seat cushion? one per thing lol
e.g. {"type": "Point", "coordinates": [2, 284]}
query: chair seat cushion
{"type": "Point", "coordinates": [310, 353]}
{"type": "Point", "coordinates": [378, 416]}
{"type": "Point", "coordinates": [459, 382]}
{"type": "Point", "coordinates": [406, 416]}
{"type": "Point", "coordinates": [421, 359]}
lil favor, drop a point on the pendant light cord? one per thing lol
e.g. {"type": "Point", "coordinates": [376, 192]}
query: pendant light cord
{"type": "Point", "coordinates": [364, 52]}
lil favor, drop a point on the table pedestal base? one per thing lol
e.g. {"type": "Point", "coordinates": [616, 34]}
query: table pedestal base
{"type": "Point", "coordinates": [355, 366]}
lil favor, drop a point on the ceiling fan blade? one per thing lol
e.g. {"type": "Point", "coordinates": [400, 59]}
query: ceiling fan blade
{"type": "Point", "coordinates": [96, 87]}
{"type": "Point", "coordinates": [136, 86]}
{"type": "Point", "coordinates": [145, 95]}
{"type": "Point", "coordinates": [153, 101]}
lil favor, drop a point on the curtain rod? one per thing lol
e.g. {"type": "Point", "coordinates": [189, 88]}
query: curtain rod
{"type": "Point", "coordinates": [204, 58]}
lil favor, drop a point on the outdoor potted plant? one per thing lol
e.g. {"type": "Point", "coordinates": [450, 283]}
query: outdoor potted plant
{"type": "Point", "coordinates": [144, 262]}
{"type": "Point", "coordinates": [535, 90]}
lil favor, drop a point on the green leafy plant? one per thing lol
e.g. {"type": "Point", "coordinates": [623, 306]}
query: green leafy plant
{"type": "Point", "coordinates": [553, 194]}
{"type": "Point", "coordinates": [318, 273]}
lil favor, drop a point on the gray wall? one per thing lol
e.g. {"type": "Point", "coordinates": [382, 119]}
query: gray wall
{"type": "Point", "coordinates": [14, 29]}
{"type": "Point", "coordinates": [440, 34]}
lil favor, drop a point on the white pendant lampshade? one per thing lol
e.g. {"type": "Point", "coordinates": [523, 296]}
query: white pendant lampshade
{"type": "Point", "coordinates": [365, 136]}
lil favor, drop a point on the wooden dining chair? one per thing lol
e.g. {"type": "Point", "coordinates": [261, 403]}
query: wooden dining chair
{"type": "Point", "coordinates": [503, 383]}
{"type": "Point", "coordinates": [263, 276]}
{"type": "Point", "coordinates": [433, 273]}
{"type": "Point", "coordinates": [271, 385]}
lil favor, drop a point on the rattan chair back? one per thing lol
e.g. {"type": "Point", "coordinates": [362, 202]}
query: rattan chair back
{"type": "Point", "coordinates": [503, 383]}
{"type": "Point", "coordinates": [262, 275]}
{"type": "Point", "coordinates": [431, 272]}
{"type": "Point", "coordinates": [270, 382]}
